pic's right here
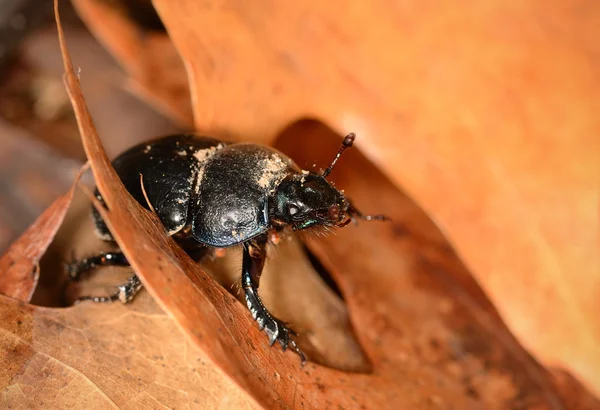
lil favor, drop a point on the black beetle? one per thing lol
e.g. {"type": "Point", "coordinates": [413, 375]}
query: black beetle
{"type": "Point", "coordinates": [211, 194]}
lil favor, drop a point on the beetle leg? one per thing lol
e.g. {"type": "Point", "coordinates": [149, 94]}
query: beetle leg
{"type": "Point", "coordinates": [76, 268]}
{"type": "Point", "coordinates": [253, 262]}
{"type": "Point", "coordinates": [125, 294]}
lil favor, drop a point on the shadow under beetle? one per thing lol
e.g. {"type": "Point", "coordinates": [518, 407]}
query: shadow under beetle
{"type": "Point", "coordinates": [211, 194]}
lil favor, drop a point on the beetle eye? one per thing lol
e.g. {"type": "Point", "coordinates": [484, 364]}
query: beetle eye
{"type": "Point", "coordinates": [293, 210]}
{"type": "Point", "coordinates": [334, 212]}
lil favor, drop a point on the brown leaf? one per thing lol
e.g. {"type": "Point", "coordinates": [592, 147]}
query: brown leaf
{"type": "Point", "coordinates": [402, 374]}
{"type": "Point", "coordinates": [19, 266]}
{"type": "Point", "coordinates": [99, 357]}
{"type": "Point", "coordinates": [156, 70]}
{"type": "Point", "coordinates": [430, 346]}
{"type": "Point", "coordinates": [486, 118]}
{"type": "Point", "coordinates": [413, 303]}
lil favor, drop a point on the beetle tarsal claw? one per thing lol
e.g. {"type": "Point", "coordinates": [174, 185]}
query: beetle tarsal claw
{"type": "Point", "coordinates": [299, 352]}
{"type": "Point", "coordinates": [272, 337]}
{"type": "Point", "coordinates": [275, 329]}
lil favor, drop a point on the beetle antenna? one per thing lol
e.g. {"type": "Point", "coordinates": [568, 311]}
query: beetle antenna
{"type": "Point", "coordinates": [355, 213]}
{"type": "Point", "coordinates": [346, 143]}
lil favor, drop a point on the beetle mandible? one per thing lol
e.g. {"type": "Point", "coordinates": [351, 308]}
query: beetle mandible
{"type": "Point", "coordinates": [212, 194]}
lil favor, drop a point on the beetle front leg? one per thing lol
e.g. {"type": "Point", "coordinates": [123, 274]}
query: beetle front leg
{"type": "Point", "coordinates": [253, 262]}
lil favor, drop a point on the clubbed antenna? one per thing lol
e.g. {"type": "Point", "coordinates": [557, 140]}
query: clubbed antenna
{"type": "Point", "coordinates": [346, 143]}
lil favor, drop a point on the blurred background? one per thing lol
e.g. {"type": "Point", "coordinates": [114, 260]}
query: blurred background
{"type": "Point", "coordinates": [39, 141]}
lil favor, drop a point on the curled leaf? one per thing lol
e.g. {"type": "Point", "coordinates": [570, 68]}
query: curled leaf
{"type": "Point", "coordinates": [486, 118]}
{"type": "Point", "coordinates": [19, 266]}
{"type": "Point", "coordinates": [155, 69]}
{"type": "Point", "coordinates": [425, 349]}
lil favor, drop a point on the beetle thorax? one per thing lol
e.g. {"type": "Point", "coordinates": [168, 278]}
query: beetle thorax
{"type": "Point", "coordinates": [231, 202]}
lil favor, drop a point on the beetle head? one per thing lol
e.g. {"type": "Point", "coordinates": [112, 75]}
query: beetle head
{"type": "Point", "coordinates": [306, 200]}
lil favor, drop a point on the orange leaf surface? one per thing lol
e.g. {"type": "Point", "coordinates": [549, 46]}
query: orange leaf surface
{"type": "Point", "coordinates": [483, 112]}
{"type": "Point", "coordinates": [439, 363]}
{"type": "Point", "coordinates": [155, 69]}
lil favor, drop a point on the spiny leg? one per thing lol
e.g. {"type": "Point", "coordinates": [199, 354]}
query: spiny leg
{"type": "Point", "coordinates": [128, 290]}
{"type": "Point", "coordinates": [125, 294]}
{"type": "Point", "coordinates": [254, 257]}
{"type": "Point", "coordinates": [78, 267]}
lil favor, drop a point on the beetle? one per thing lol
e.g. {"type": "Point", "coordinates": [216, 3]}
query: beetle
{"type": "Point", "coordinates": [211, 194]}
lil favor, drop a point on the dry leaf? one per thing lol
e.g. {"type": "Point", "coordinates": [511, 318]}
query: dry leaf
{"type": "Point", "coordinates": [431, 337]}
{"type": "Point", "coordinates": [401, 374]}
{"type": "Point", "coordinates": [156, 70]}
{"type": "Point", "coordinates": [19, 266]}
{"type": "Point", "coordinates": [483, 112]}
{"type": "Point", "coordinates": [98, 357]}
